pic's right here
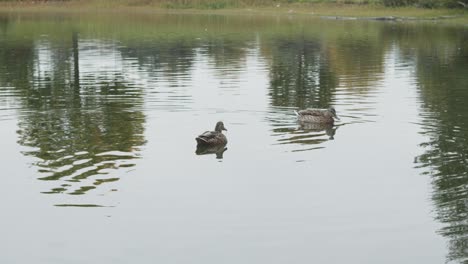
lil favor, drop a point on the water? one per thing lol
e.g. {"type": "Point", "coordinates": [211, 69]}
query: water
{"type": "Point", "coordinates": [98, 118]}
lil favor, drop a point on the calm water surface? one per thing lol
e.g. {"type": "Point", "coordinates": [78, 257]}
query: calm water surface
{"type": "Point", "coordinates": [98, 116]}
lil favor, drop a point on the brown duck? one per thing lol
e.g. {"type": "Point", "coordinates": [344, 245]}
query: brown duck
{"type": "Point", "coordinates": [215, 137]}
{"type": "Point", "coordinates": [314, 115]}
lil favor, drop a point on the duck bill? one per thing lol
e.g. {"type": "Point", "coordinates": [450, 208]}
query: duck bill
{"type": "Point", "coordinates": [337, 117]}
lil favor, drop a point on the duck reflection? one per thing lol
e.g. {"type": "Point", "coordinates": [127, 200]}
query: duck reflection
{"type": "Point", "coordinates": [306, 134]}
{"type": "Point", "coordinates": [329, 129]}
{"type": "Point", "coordinates": [207, 150]}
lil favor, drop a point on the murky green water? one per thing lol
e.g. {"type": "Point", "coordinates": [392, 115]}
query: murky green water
{"type": "Point", "coordinates": [98, 116]}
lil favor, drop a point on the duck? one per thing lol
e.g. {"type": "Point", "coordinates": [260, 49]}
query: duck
{"type": "Point", "coordinates": [211, 138]}
{"type": "Point", "coordinates": [315, 115]}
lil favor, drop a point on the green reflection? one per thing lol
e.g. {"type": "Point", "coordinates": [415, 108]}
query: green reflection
{"type": "Point", "coordinates": [75, 131]}
{"type": "Point", "coordinates": [85, 126]}
{"type": "Point", "coordinates": [300, 74]}
{"type": "Point", "coordinates": [441, 69]}
{"type": "Point", "coordinates": [309, 67]}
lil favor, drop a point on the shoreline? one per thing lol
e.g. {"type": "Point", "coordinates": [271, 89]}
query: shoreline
{"type": "Point", "coordinates": [317, 10]}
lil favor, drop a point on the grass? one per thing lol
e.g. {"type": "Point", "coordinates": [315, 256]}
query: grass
{"type": "Point", "coordinates": [339, 8]}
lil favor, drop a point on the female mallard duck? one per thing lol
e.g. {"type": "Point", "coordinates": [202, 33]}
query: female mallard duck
{"type": "Point", "coordinates": [213, 137]}
{"type": "Point", "coordinates": [313, 115]}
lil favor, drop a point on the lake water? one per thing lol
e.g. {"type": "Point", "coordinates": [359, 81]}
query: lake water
{"type": "Point", "coordinates": [99, 114]}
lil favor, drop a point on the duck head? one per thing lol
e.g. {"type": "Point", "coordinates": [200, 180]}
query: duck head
{"type": "Point", "coordinates": [333, 112]}
{"type": "Point", "coordinates": [220, 127]}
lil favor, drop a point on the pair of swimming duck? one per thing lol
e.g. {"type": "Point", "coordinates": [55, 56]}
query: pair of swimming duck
{"type": "Point", "coordinates": [310, 115]}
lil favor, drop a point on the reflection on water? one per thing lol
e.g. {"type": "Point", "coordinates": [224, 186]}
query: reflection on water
{"type": "Point", "coordinates": [307, 134]}
{"type": "Point", "coordinates": [306, 73]}
{"type": "Point", "coordinates": [301, 75]}
{"type": "Point", "coordinates": [81, 121]}
{"type": "Point", "coordinates": [329, 129]}
{"type": "Point", "coordinates": [441, 68]}
{"type": "Point", "coordinates": [207, 150]}
{"type": "Point", "coordinates": [84, 92]}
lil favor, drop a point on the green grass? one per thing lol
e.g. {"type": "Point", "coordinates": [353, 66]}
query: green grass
{"type": "Point", "coordinates": [341, 8]}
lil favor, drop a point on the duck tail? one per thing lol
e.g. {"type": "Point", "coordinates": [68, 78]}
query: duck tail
{"type": "Point", "coordinates": [295, 112]}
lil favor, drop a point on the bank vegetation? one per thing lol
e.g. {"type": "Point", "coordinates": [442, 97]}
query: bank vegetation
{"type": "Point", "coordinates": [218, 4]}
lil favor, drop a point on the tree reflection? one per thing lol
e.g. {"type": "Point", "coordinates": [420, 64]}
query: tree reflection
{"type": "Point", "coordinates": [164, 58]}
{"type": "Point", "coordinates": [358, 62]}
{"type": "Point", "coordinates": [83, 126]}
{"type": "Point", "coordinates": [306, 72]}
{"type": "Point", "coordinates": [441, 70]}
{"type": "Point", "coordinates": [300, 75]}
{"type": "Point", "coordinates": [76, 143]}
{"type": "Point", "coordinates": [80, 136]}
{"type": "Point", "coordinates": [228, 55]}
